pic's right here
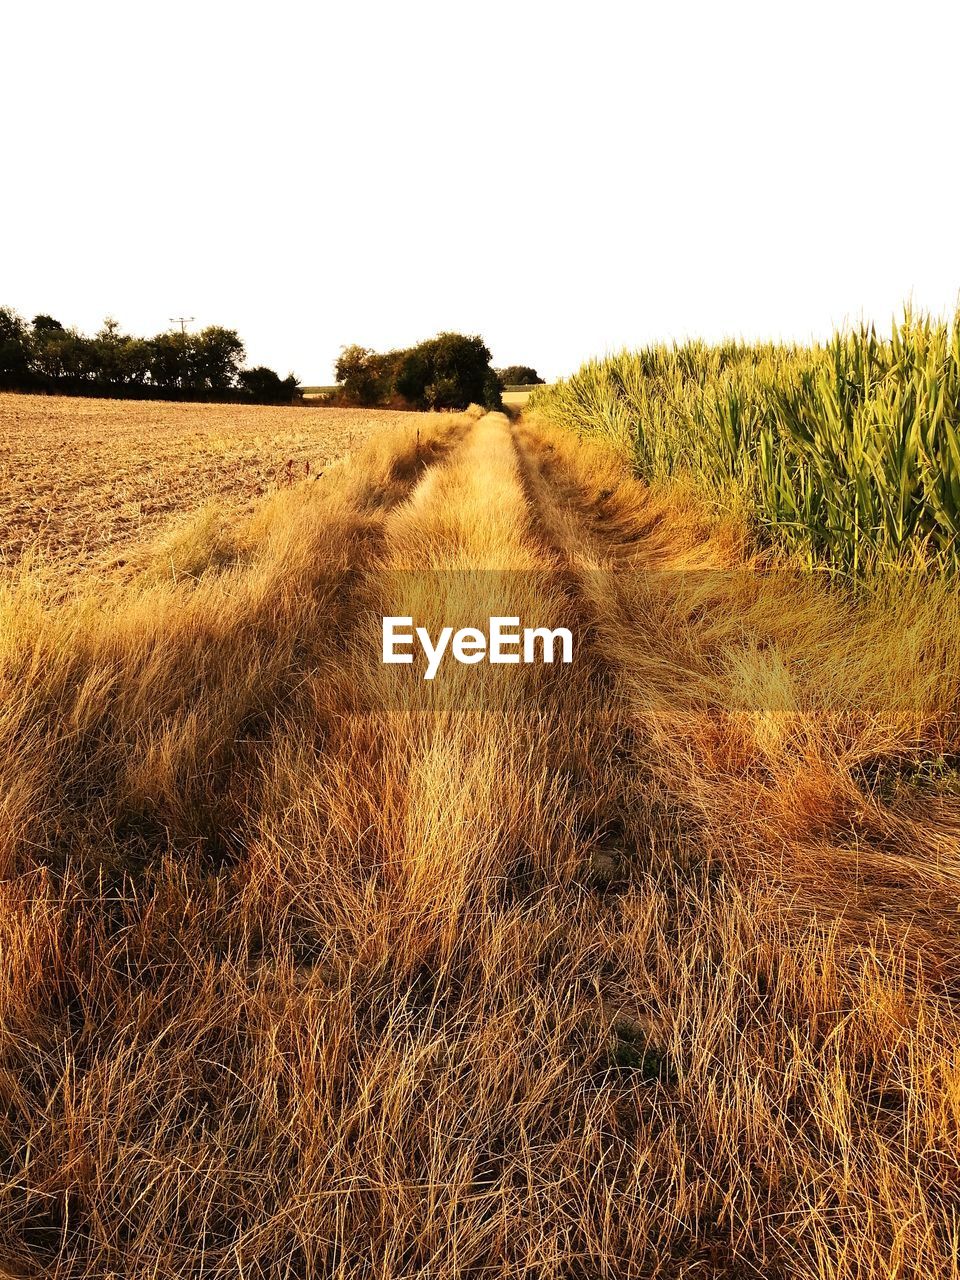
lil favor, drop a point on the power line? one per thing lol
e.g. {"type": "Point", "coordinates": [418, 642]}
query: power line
{"type": "Point", "coordinates": [182, 321]}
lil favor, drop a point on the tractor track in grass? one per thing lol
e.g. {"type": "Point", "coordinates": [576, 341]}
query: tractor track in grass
{"type": "Point", "coordinates": [485, 533]}
{"type": "Point", "coordinates": [656, 615]}
{"type": "Point", "coordinates": [598, 543]}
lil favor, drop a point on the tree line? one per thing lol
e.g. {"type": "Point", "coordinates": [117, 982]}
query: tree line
{"type": "Point", "coordinates": [44, 355]}
{"type": "Point", "coordinates": [449, 371]}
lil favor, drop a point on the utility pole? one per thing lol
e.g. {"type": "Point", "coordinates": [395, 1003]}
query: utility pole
{"type": "Point", "coordinates": [183, 321]}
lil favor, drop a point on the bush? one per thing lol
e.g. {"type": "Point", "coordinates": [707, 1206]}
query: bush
{"type": "Point", "coordinates": [267, 387]}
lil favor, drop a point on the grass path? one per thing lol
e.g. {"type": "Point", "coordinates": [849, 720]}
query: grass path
{"type": "Point", "coordinates": [627, 968]}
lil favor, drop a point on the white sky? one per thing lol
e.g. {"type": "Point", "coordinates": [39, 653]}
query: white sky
{"type": "Point", "coordinates": [563, 179]}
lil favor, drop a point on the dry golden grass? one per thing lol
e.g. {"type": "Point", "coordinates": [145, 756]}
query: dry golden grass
{"type": "Point", "coordinates": [641, 967]}
{"type": "Point", "coordinates": [82, 479]}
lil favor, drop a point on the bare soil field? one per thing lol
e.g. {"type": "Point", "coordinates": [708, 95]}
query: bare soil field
{"type": "Point", "coordinates": [81, 479]}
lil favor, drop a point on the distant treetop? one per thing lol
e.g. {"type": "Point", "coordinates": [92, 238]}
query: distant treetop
{"type": "Point", "coordinates": [518, 375]}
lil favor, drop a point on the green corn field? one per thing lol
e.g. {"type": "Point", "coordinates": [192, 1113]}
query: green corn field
{"type": "Point", "coordinates": [846, 454]}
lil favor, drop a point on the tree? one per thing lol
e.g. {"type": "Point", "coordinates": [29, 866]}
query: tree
{"type": "Point", "coordinates": [15, 347]}
{"type": "Point", "coordinates": [266, 386]}
{"type": "Point", "coordinates": [492, 397]}
{"type": "Point", "coordinates": [461, 372]}
{"type": "Point", "coordinates": [518, 375]}
{"type": "Point", "coordinates": [120, 359]}
{"type": "Point", "coordinates": [449, 371]}
{"type": "Point", "coordinates": [46, 324]}
{"type": "Point", "coordinates": [169, 360]}
{"type": "Point", "coordinates": [414, 374]}
{"type": "Point", "coordinates": [357, 372]}
{"type": "Point", "coordinates": [216, 357]}
{"type": "Point", "coordinates": [61, 353]}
